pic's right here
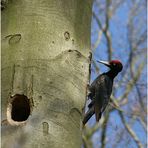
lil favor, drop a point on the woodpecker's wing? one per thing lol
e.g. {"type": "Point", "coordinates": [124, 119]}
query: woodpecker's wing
{"type": "Point", "coordinates": [92, 87]}
{"type": "Point", "coordinates": [98, 104]}
{"type": "Point", "coordinates": [109, 85]}
{"type": "Point", "coordinates": [103, 89]}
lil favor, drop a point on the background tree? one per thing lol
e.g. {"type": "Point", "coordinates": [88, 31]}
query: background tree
{"type": "Point", "coordinates": [45, 71]}
{"type": "Point", "coordinates": [119, 32]}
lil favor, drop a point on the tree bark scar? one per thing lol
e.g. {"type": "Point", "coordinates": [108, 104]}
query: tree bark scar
{"type": "Point", "coordinates": [79, 54]}
{"type": "Point", "coordinates": [72, 51]}
{"type": "Point", "coordinates": [73, 41]}
{"type": "Point", "coordinates": [13, 38]}
{"type": "Point", "coordinates": [45, 128]}
{"type": "Point", "coordinates": [67, 35]}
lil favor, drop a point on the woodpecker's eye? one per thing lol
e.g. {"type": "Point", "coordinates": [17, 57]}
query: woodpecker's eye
{"type": "Point", "coordinates": [114, 64]}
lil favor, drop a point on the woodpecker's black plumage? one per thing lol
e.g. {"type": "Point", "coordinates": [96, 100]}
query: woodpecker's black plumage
{"type": "Point", "coordinates": [100, 90]}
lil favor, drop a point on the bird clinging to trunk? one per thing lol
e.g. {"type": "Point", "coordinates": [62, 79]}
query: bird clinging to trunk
{"type": "Point", "coordinates": [100, 90]}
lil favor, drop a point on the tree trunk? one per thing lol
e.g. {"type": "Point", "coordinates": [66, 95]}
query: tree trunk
{"type": "Point", "coordinates": [45, 71]}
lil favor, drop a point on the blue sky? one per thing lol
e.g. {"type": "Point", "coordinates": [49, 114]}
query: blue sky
{"type": "Point", "coordinates": [119, 33]}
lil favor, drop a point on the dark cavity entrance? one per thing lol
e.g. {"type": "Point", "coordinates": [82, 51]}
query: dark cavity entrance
{"type": "Point", "coordinates": [20, 108]}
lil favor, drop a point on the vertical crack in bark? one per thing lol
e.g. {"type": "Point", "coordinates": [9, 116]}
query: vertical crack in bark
{"type": "Point", "coordinates": [30, 92]}
{"type": "Point", "coordinates": [13, 74]}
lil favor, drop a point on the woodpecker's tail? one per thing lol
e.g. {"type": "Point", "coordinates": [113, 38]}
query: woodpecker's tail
{"type": "Point", "coordinates": [98, 114]}
{"type": "Point", "coordinates": [88, 115]}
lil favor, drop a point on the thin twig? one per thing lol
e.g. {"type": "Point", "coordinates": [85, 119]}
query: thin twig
{"type": "Point", "coordinates": [104, 128]}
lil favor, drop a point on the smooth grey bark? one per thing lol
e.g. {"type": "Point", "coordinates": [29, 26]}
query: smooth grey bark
{"type": "Point", "coordinates": [45, 56]}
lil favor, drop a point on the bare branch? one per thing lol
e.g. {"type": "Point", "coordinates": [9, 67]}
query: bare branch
{"type": "Point", "coordinates": [106, 29]}
{"type": "Point", "coordinates": [133, 81]}
{"type": "Point", "coordinates": [130, 131]}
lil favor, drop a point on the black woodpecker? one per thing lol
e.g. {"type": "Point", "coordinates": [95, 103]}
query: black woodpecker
{"type": "Point", "coordinates": [100, 90]}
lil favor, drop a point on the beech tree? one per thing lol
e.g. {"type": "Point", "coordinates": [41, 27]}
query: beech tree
{"type": "Point", "coordinates": [45, 71]}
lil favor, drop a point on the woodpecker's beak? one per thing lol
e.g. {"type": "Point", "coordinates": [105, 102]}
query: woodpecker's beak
{"type": "Point", "coordinates": [105, 63]}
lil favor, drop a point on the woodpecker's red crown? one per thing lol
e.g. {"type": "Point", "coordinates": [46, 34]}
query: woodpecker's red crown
{"type": "Point", "coordinates": [115, 65]}
{"type": "Point", "coordinates": [115, 62]}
